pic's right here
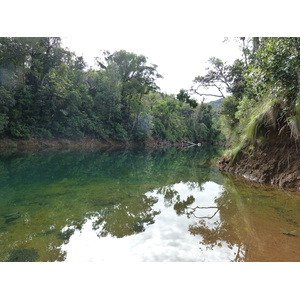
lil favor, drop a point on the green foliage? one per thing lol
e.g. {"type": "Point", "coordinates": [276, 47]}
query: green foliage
{"type": "Point", "coordinates": [234, 152]}
{"type": "Point", "coordinates": [228, 118]}
{"type": "Point", "coordinates": [220, 79]}
{"type": "Point", "coordinates": [263, 116]}
{"type": "Point", "coordinates": [184, 97]}
{"type": "Point", "coordinates": [264, 91]}
{"type": "Point", "coordinates": [293, 121]}
{"type": "Point", "coordinates": [167, 124]}
{"type": "Point", "coordinates": [3, 122]}
{"type": "Point", "coordinates": [47, 92]}
{"type": "Point", "coordinates": [216, 104]}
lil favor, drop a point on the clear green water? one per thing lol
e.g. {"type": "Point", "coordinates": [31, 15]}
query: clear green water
{"type": "Point", "coordinates": [139, 205]}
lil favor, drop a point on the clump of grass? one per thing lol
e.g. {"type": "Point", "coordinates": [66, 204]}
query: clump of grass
{"type": "Point", "coordinates": [293, 121]}
{"type": "Point", "coordinates": [294, 125]}
{"type": "Point", "coordinates": [264, 115]}
{"type": "Point", "coordinates": [254, 123]}
{"type": "Point", "coordinates": [233, 152]}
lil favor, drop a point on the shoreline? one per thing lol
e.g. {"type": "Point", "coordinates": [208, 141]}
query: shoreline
{"type": "Point", "coordinates": [36, 145]}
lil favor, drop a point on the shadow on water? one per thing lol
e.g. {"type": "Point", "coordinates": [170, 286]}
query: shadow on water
{"type": "Point", "coordinates": [158, 205]}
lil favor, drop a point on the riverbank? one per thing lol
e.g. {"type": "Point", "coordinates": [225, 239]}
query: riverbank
{"type": "Point", "coordinates": [276, 161]}
{"type": "Point", "coordinates": [82, 144]}
{"type": "Point", "coordinates": [52, 144]}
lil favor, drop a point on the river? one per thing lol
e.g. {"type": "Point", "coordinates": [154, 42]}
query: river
{"type": "Point", "coordinates": [140, 205]}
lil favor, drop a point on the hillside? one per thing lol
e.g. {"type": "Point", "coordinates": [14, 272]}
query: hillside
{"type": "Point", "coordinates": [216, 104]}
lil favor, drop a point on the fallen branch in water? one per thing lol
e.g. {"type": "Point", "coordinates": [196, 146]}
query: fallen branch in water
{"type": "Point", "coordinates": [189, 144]}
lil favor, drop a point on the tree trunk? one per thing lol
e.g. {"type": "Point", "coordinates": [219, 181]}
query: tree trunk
{"type": "Point", "coordinates": [256, 43]}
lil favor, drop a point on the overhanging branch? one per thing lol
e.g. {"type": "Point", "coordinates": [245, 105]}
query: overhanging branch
{"type": "Point", "coordinates": [205, 86]}
{"type": "Point", "coordinates": [209, 95]}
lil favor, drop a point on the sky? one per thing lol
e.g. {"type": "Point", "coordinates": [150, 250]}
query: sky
{"type": "Point", "coordinates": [178, 36]}
{"type": "Point", "coordinates": [178, 62]}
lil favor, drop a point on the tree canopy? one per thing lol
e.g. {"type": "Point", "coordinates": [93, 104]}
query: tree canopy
{"type": "Point", "coordinates": [46, 91]}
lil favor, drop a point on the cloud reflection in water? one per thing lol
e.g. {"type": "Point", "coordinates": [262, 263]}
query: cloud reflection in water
{"type": "Point", "coordinates": [181, 206]}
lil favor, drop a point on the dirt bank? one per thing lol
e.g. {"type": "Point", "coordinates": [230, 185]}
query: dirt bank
{"type": "Point", "coordinates": [276, 161]}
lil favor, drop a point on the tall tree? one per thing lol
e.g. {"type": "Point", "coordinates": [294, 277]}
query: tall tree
{"type": "Point", "coordinates": [220, 79]}
{"type": "Point", "coordinates": [137, 79]}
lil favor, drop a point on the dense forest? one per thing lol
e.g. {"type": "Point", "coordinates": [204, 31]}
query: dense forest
{"type": "Point", "coordinates": [48, 92]}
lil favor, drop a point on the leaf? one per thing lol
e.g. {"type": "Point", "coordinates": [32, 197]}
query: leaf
{"type": "Point", "coordinates": [289, 233]}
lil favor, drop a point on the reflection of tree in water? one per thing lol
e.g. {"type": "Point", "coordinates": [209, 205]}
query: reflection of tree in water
{"type": "Point", "coordinates": [117, 220]}
{"type": "Point", "coordinates": [242, 209]}
{"type": "Point", "coordinates": [126, 219]}
{"type": "Point", "coordinates": [215, 235]}
{"type": "Point", "coordinates": [181, 206]}
{"type": "Point", "coordinates": [173, 198]}
{"type": "Point", "coordinates": [217, 224]}
{"type": "Point", "coordinates": [219, 227]}
{"type": "Point", "coordinates": [75, 186]}
{"type": "Point", "coordinates": [170, 195]}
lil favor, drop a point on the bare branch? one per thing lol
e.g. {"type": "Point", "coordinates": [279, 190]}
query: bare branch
{"type": "Point", "coordinates": [220, 90]}
{"type": "Point", "coordinates": [204, 207]}
{"type": "Point", "coordinates": [207, 216]}
{"type": "Point", "coordinates": [209, 95]}
{"type": "Point", "coordinates": [206, 86]}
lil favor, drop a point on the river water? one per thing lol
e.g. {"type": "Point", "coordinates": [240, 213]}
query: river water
{"type": "Point", "coordinates": [140, 205]}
